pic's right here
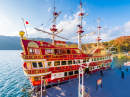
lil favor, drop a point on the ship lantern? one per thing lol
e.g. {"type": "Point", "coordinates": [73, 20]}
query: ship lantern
{"type": "Point", "coordinates": [21, 33]}
{"type": "Point", "coordinates": [53, 28]}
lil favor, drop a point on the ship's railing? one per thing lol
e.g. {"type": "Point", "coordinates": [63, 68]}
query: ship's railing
{"type": "Point", "coordinates": [30, 72]}
{"type": "Point", "coordinates": [50, 56]}
{"type": "Point", "coordinates": [68, 46]}
{"type": "Point", "coordinates": [35, 71]}
{"type": "Point", "coordinates": [33, 56]}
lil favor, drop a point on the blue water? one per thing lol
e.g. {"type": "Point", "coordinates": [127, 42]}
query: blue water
{"type": "Point", "coordinates": [13, 82]}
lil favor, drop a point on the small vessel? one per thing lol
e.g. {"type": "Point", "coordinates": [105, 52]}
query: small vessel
{"type": "Point", "coordinates": [46, 63]}
{"type": "Point", "coordinates": [127, 64]}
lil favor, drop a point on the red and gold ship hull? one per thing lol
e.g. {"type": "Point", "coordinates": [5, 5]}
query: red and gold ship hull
{"type": "Point", "coordinates": [59, 62]}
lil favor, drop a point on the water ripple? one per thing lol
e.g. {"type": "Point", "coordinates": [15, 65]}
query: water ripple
{"type": "Point", "coordinates": [13, 82]}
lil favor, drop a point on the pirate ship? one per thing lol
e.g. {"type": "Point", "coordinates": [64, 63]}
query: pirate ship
{"type": "Point", "coordinates": [46, 63]}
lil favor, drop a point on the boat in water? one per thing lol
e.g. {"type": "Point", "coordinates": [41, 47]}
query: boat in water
{"type": "Point", "coordinates": [127, 64]}
{"type": "Point", "coordinates": [46, 63]}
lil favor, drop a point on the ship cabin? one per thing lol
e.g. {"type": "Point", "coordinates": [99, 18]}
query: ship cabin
{"type": "Point", "coordinates": [59, 61]}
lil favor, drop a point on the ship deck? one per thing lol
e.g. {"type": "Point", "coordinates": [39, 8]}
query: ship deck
{"type": "Point", "coordinates": [112, 85]}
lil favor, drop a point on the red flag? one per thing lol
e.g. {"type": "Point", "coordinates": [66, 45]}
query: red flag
{"type": "Point", "coordinates": [26, 22]}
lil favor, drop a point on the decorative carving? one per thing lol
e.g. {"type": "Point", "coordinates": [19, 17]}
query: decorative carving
{"type": "Point", "coordinates": [33, 44]}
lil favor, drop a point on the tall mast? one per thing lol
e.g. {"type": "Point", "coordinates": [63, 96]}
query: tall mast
{"type": "Point", "coordinates": [53, 28]}
{"type": "Point", "coordinates": [98, 38]}
{"type": "Point", "coordinates": [80, 27]}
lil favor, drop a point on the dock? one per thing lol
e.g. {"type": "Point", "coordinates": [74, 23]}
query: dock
{"type": "Point", "coordinates": [112, 85]}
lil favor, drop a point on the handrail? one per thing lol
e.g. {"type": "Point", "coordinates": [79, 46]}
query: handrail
{"type": "Point", "coordinates": [37, 71]}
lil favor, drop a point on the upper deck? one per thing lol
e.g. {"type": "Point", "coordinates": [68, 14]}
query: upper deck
{"type": "Point", "coordinates": [40, 50]}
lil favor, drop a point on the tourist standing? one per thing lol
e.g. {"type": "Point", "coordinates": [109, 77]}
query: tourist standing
{"type": "Point", "coordinates": [101, 73]}
{"type": "Point", "coordinates": [122, 74]}
{"type": "Point", "coordinates": [126, 69]}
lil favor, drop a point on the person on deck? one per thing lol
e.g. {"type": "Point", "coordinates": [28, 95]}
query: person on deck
{"type": "Point", "coordinates": [122, 74]}
{"type": "Point", "coordinates": [101, 73]}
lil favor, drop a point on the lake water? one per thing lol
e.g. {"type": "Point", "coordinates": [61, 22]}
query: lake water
{"type": "Point", "coordinates": [13, 82]}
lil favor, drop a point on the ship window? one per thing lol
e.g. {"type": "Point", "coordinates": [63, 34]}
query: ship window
{"type": "Point", "coordinates": [65, 74]}
{"type": "Point", "coordinates": [84, 60]}
{"type": "Point", "coordinates": [56, 63]}
{"type": "Point", "coordinates": [59, 52]}
{"type": "Point", "coordinates": [34, 64]}
{"type": "Point", "coordinates": [40, 64]}
{"type": "Point", "coordinates": [93, 67]}
{"type": "Point", "coordinates": [63, 62]}
{"type": "Point", "coordinates": [97, 59]}
{"type": "Point", "coordinates": [37, 78]}
{"type": "Point", "coordinates": [71, 73]}
{"type": "Point", "coordinates": [76, 72]}
{"type": "Point", "coordinates": [34, 51]}
{"type": "Point", "coordinates": [49, 63]}
{"type": "Point", "coordinates": [37, 51]}
{"type": "Point", "coordinates": [94, 59]}
{"type": "Point", "coordinates": [69, 62]}
{"type": "Point", "coordinates": [100, 58]}
{"type": "Point", "coordinates": [103, 58]}
{"type": "Point", "coordinates": [68, 51]}
{"type": "Point", "coordinates": [73, 61]}
{"type": "Point", "coordinates": [31, 51]}
{"type": "Point", "coordinates": [87, 59]}
{"type": "Point", "coordinates": [48, 51]}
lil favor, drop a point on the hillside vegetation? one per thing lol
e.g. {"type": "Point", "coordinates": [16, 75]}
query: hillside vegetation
{"type": "Point", "coordinates": [121, 44]}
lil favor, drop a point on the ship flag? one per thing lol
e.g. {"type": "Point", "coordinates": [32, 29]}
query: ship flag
{"type": "Point", "coordinates": [26, 22]}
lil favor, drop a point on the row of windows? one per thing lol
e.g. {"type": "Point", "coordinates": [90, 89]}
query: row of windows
{"type": "Point", "coordinates": [101, 58]}
{"type": "Point", "coordinates": [101, 66]}
{"type": "Point", "coordinates": [34, 51]}
{"type": "Point", "coordinates": [37, 64]}
{"type": "Point", "coordinates": [56, 51]}
{"type": "Point", "coordinates": [70, 62]}
{"type": "Point", "coordinates": [71, 73]}
{"type": "Point", "coordinates": [58, 63]}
